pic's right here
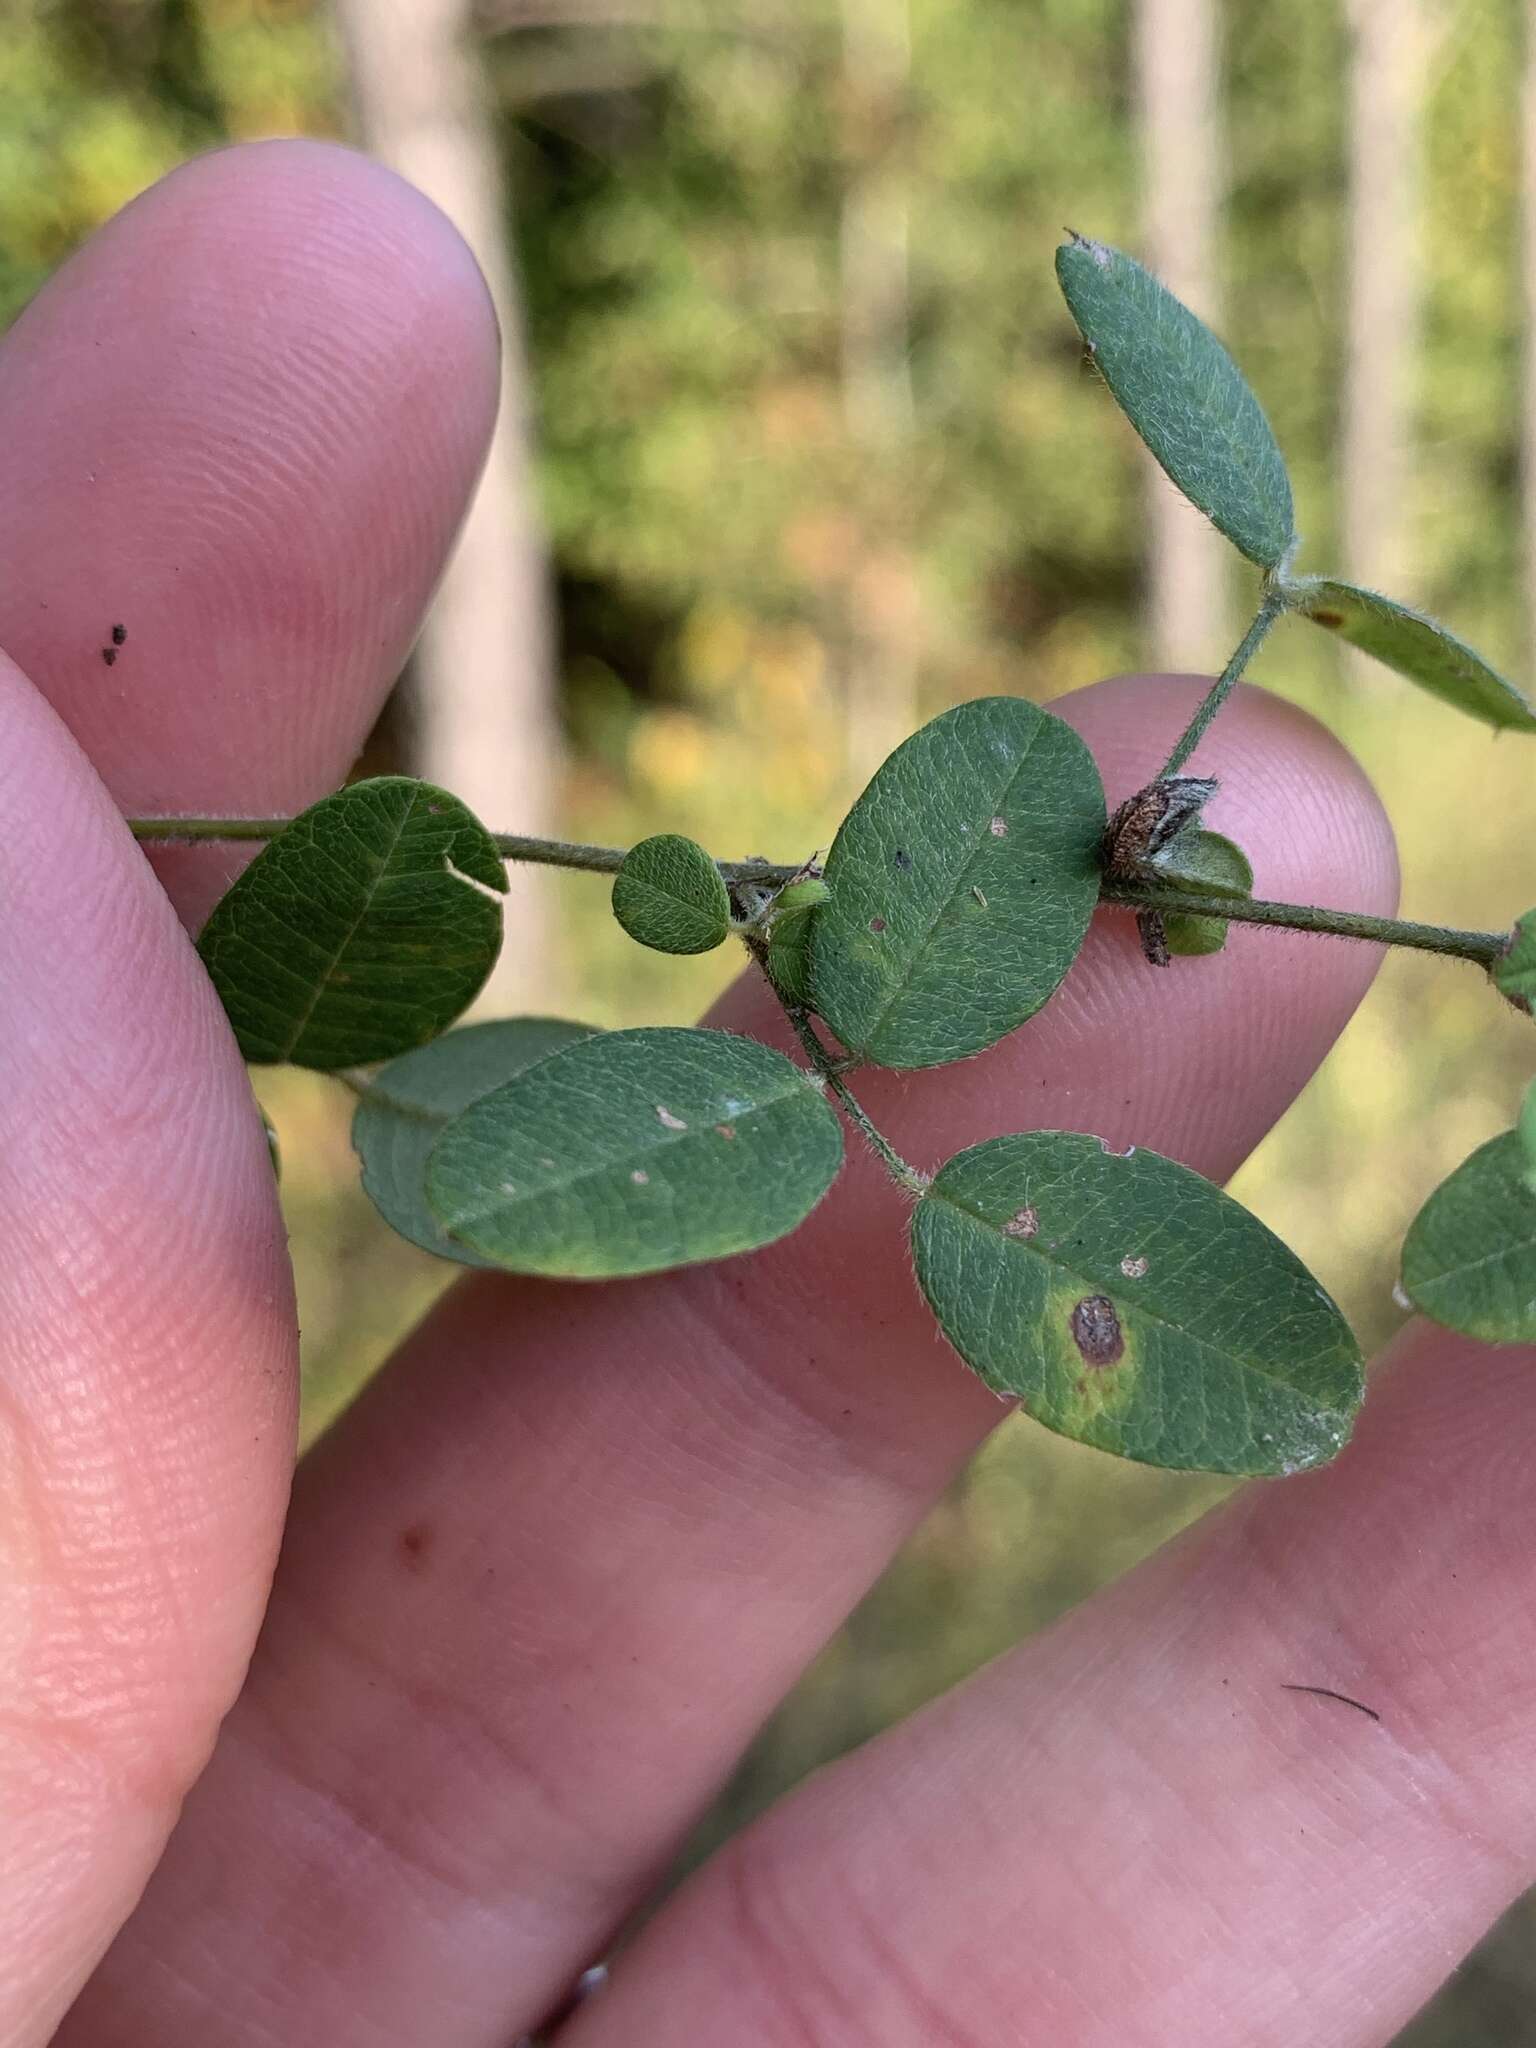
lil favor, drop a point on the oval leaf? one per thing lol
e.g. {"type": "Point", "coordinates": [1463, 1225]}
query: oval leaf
{"type": "Point", "coordinates": [1184, 395]}
{"type": "Point", "coordinates": [409, 1103]}
{"type": "Point", "coordinates": [1419, 648]}
{"type": "Point", "coordinates": [635, 1151]}
{"type": "Point", "coordinates": [963, 882]}
{"type": "Point", "coordinates": [670, 896]}
{"type": "Point", "coordinates": [1133, 1306]}
{"type": "Point", "coordinates": [363, 930]}
{"type": "Point", "coordinates": [1469, 1259]}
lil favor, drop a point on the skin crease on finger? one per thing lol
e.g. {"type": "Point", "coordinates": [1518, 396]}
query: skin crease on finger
{"type": "Point", "coordinates": [243, 422]}
{"type": "Point", "coordinates": [1132, 1832]}
{"type": "Point", "coordinates": [544, 1582]}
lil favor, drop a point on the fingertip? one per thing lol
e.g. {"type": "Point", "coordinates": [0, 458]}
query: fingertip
{"type": "Point", "coordinates": [243, 423]}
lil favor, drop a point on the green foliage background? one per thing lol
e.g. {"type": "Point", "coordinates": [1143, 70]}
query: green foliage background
{"type": "Point", "coordinates": [726, 543]}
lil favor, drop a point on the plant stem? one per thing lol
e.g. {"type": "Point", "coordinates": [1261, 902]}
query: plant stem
{"type": "Point", "coordinates": [901, 1171]}
{"type": "Point", "coordinates": [1483, 947]}
{"type": "Point", "coordinates": [550, 853]}
{"type": "Point", "coordinates": [1270, 610]}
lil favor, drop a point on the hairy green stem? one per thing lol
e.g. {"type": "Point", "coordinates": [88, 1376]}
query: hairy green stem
{"type": "Point", "coordinates": [1270, 610]}
{"type": "Point", "coordinates": [550, 853]}
{"type": "Point", "coordinates": [1483, 947]}
{"type": "Point", "coordinates": [830, 1069]}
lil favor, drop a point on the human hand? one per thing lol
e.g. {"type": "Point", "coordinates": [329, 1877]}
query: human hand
{"type": "Point", "coordinates": [543, 1582]}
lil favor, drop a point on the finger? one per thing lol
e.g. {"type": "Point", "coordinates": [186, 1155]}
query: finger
{"type": "Point", "coordinates": [1138, 1828]}
{"type": "Point", "coordinates": [242, 425]}
{"type": "Point", "coordinates": [547, 1578]}
{"type": "Point", "coordinates": [195, 412]}
{"type": "Point", "coordinates": [146, 1386]}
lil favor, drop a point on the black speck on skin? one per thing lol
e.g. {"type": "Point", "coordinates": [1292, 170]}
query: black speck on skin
{"type": "Point", "coordinates": [119, 635]}
{"type": "Point", "coordinates": [109, 655]}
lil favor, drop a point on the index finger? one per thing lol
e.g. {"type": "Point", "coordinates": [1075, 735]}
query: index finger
{"type": "Point", "coordinates": [241, 425]}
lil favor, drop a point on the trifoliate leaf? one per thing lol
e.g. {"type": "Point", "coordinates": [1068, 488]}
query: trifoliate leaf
{"type": "Point", "coordinates": [1469, 1259]}
{"type": "Point", "coordinates": [635, 1151]}
{"type": "Point", "coordinates": [963, 882]}
{"type": "Point", "coordinates": [409, 1103]}
{"type": "Point", "coordinates": [363, 930]}
{"type": "Point", "coordinates": [1132, 1305]}
{"type": "Point", "coordinates": [670, 896]}
{"type": "Point", "coordinates": [1184, 395]}
{"type": "Point", "coordinates": [1419, 648]}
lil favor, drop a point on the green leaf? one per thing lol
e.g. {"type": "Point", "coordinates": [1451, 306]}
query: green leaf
{"type": "Point", "coordinates": [790, 924]}
{"type": "Point", "coordinates": [363, 930]}
{"type": "Point", "coordinates": [635, 1151]}
{"type": "Point", "coordinates": [1206, 864]}
{"type": "Point", "coordinates": [670, 896]}
{"type": "Point", "coordinates": [1526, 1128]}
{"type": "Point", "coordinates": [963, 882]}
{"type": "Point", "coordinates": [1469, 1259]}
{"type": "Point", "coordinates": [1132, 1305]}
{"type": "Point", "coordinates": [1514, 975]}
{"type": "Point", "coordinates": [1184, 395]}
{"type": "Point", "coordinates": [1419, 648]}
{"type": "Point", "coordinates": [409, 1104]}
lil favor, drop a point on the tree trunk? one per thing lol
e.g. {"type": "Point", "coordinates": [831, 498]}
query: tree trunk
{"type": "Point", "coordinates": [1528, 283]}
{"type": "Point", "coordinates": [881, 658]}
{"type": "Point", "coordinates": [1387, 68]}
{"type": "Point", "coordinates": [482, 714]}
{"type": "Point", "coordinates": [1176, 61]}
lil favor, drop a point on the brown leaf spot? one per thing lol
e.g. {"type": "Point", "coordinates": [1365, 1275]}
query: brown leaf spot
{"type": "Point", "coordinates": [1025, 1224]}
{"type": "Point", "coordinates": [999, 828]}
{"type": "Point", "coordinates": [877, 924]}
{"type": "Point", "coordinates": [1096, 1331]}
{"type": "Point", "coordinates": [726, 1130]}
{"type": "Point", "coordinates": [1327, 618]}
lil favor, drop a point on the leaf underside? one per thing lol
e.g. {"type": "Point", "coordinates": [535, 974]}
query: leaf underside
{"type": "Point", "coordinates": [1469, 1259]}
{"type": "Point", "coordinates": [963, 882]}
{"type": "Point", "coordinates": [670, 896]}
{"type": "Point", "coordinates": [1419, 648]}
{"type": "Point", "coordinates": [360, 931]}
{"type": "Point", "coordinates": [1131, 1305]}
{"type": "Point", "coordinates": [410, 1102]}
{"type": "Point", "coordinates": [635, 1151]}
{"type": "Point", "coordinates": [1184, 395]}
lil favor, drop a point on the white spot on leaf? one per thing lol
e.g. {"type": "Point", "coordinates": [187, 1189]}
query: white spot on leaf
{"type": "Point", "coordinates": [1133, 1268]}
{"type": "Point", "coordinates": [665, 1116]}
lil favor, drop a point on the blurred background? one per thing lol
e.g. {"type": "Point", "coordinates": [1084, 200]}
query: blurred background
{"type": "Point", "coordinates": [797, 449]}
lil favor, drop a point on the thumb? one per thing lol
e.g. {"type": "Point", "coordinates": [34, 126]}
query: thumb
{"type": "Point", "coordinates": [147, 1347]}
